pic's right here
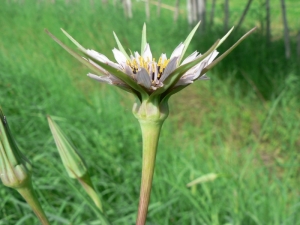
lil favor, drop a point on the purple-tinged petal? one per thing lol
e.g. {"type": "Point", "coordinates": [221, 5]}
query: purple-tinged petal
{"type": "Point", "coordinates": [190, 58]}
{"type": "Point", "coordinates": [128, 70]}
{"type": "Point", "coordinates": [205, 63]}
{"type": "Point", "coordinates": [178, 51]}
{"type": "Point", "coordinates": [143, 78]}
{"type": "Point", "coordinates": [169, 69]}
{"type": "Point", "coordinates": [195, 71]}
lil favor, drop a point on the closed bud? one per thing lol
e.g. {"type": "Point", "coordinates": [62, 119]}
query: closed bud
{"type": "Point", "coordinates": [71, 159]}
{"type": "Point", "coordinates": [15, 169]}
{"type": "Point", "coordinates": [73, 162]}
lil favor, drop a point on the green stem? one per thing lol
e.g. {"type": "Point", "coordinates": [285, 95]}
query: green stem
{"type": "Point", "coordinates": [90, 190]}
{"type": "Point", "coordinates": [150, 134]}
{"type": "Point", "coordinates": [28, 194]}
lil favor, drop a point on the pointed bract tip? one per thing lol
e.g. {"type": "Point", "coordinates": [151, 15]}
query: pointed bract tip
{"type": "Point", "coordinates": [253, 29]}
{"type": "Point", "coordinates": [63, 30]}
{"type": "Point", "coordinates": [198, 24]}
{"type": "Point", "coordinates": [66, 33]}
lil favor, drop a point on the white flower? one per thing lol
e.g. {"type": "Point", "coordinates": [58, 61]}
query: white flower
{"type": "Point", "coordinates": [143, 75]}
{"type": "Point", "coordinates": [148, 72]}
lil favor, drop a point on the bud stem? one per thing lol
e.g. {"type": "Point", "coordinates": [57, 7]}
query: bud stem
{"type": "Point", "coordinates": [28, 194]}
{"type": "Point", "coordinates": [150, 134]}
{"type": "Point", "coordinates": [90, 190]}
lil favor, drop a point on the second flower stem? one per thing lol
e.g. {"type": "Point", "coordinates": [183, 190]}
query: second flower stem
{"type": "Point", "coordinates": [150, 134]}
{"type": "Point", "coordinates": [28, 194]}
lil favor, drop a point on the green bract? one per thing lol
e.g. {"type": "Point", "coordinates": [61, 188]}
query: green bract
{"type": "Point", "coordinates": [71, 159]}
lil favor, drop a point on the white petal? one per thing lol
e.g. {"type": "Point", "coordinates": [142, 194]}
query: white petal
{"type": "Point", "coordinates": [212, 56]}
{"type": "Point", "coordinates": [205, 63]}
{"type": "Point", "coordinates": [119, 56]}
{"type": "Point", "coordinates": [114, 65]}
{"type": "Point", "coordinates": [128, 70]}
{"type": "Point", "coordinates": [102, 58]}
{"type": "Point", "coordinates": [136, 55]}
{"type": "Point", "coordinates": [97, 55]}
{"type": "Point", "coordinates": [190, 58]}
{"type": "Point", "coordinates": [178, 51]}
{"type": "Point", "coordinates": [163, 57]}
{"type": "Point", "coordinates": [169, 69]}
{"type": "Point", "coordinates": [195, 71]}
{"type": "Point", "coordinates": [143, 78]}
{"type": "Point", "coordinates": [147, 53]}
{"type": "Point", "coordinates": [183, 82]}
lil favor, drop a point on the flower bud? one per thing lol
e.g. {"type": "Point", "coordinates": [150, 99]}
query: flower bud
{"type": "Point", "coordinates": [71, 159]}
{"type": "Point", "coordinates": [15, 169]}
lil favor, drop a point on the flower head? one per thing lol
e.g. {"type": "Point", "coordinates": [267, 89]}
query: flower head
{"type": "Point", "coordinates": [143, 75]}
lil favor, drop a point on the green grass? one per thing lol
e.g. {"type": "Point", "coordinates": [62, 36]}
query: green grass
{"type": "Point", "coordinates": [246, 132]}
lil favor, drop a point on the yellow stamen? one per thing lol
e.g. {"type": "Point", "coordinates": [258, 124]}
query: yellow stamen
{"type": "Point", "coordinates": [143, 62]}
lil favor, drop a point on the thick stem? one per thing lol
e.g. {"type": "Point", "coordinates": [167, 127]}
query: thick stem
{"type": "Point", "coordinates": [28, 194]}
{"type": "Point", "coordinates": [150, 134]}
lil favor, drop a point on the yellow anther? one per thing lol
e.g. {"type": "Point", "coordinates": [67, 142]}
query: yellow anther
{"type": "Point", "coordinates": [159, 61]}
{"type": "Point", "coordinates": [148, 65]}
{"type": "Point", "coordinates": [161, 69]}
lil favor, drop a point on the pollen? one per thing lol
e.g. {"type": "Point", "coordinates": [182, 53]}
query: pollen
{"type": "Point", "coordinates": [151, 66]}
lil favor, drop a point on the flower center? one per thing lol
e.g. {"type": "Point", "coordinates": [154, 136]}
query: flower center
{"type": "Point", "coordinates": [154, 69]}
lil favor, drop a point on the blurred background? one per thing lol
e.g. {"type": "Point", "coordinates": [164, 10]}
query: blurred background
{"type": "Point", "coordinates": [243, 124]}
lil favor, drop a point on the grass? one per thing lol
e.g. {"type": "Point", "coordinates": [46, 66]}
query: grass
{"type": "Point", "coordinates": [247, 132]}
